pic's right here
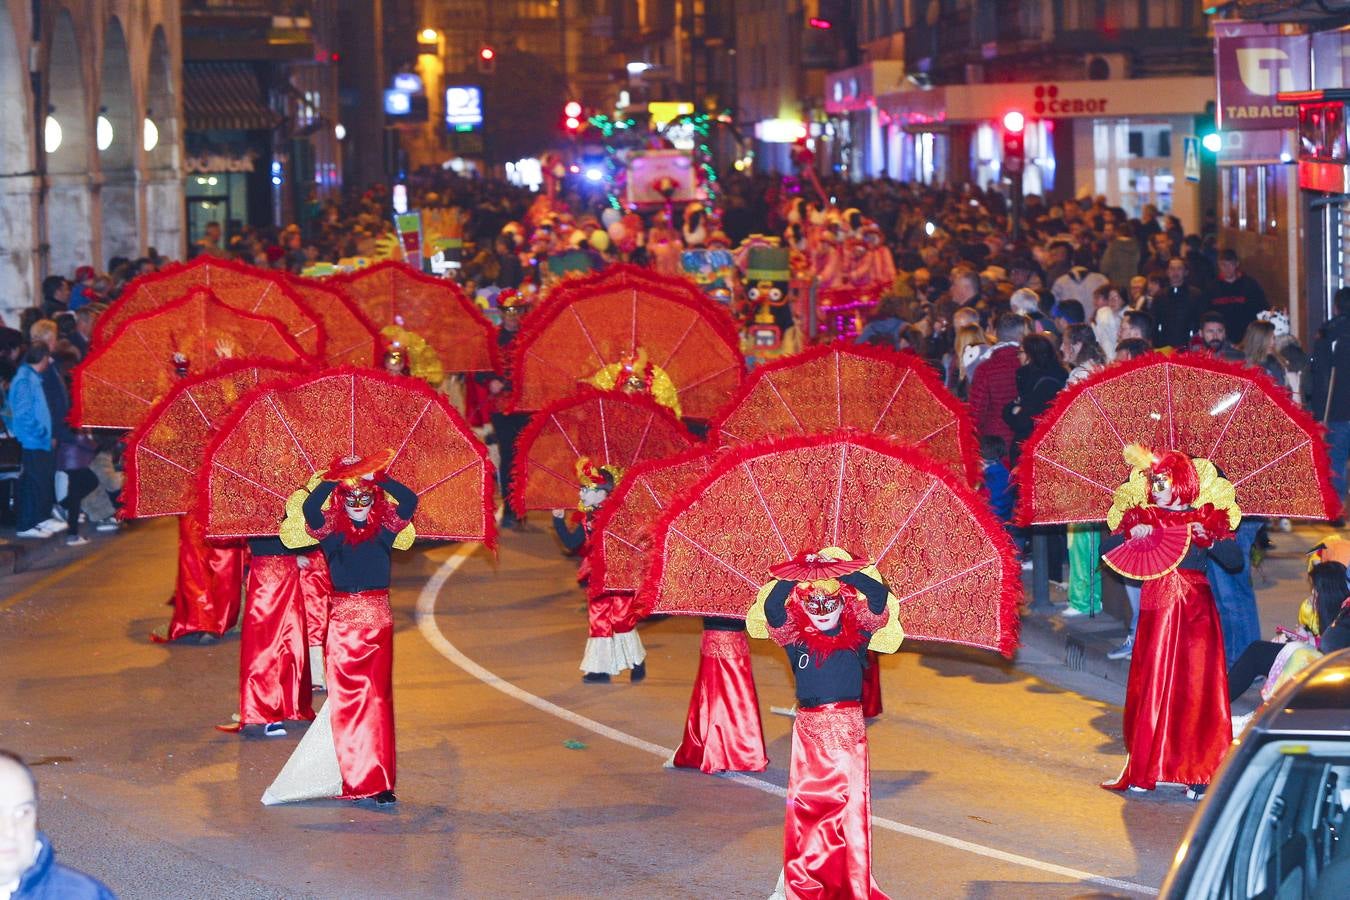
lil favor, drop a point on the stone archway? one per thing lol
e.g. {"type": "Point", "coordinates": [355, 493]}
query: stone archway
{"type": "Point", "coordinates": [116, 126]}
{"type": "Point", "coordinates": [70, 165]}
{"type": "Point", "coordinates": [18, 183]}
{"type": "Point", "coordinates": [162, 182]}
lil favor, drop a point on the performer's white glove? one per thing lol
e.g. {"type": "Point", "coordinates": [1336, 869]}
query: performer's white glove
{"type": "Point", "coordinates": [302, 562]}
{"type": "Point", "coordinates": [1141, 531]}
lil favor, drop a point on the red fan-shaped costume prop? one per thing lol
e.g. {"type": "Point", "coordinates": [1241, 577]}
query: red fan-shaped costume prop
{"type": "Point", "coordinates": [608, 427]}
{"type": "Point", "coordinates": [945, 557]}
{"type": "Point", "coordinates": [350, 337]}
{"type": "Point", "coordinates": [120, 379]}
{"type": "Point", "coordinates": [394, 294]}
{"type": "Point", "coordinates": [580, 329]}
{"type": "Point", "coordinates": [235, 284]}
{"type": "Point", "coordinates": [621, 275]}
{"type": "Point", "coordinates": [850, 386]}
{"type": "Point", "coordinates": [1233, 415]}
{"type": "Point", "coordinates": [282, 434]}
{"type": "Point", "coordinates": [1150, 557]}
{"type": "Point", "coordinates": [623, 525]}
{"type": "Point", "coordinates": [164, 453]}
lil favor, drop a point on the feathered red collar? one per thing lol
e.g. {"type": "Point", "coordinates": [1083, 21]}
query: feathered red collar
{"type": "Point", "coordinates": [820, 645]}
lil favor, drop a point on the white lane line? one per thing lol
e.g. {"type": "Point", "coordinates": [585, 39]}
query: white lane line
{"type": "Point", "coordinates": [426, 623]}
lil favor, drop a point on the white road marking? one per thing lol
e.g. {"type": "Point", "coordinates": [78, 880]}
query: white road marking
{"type": "Point", "coordinates": [426, 623]}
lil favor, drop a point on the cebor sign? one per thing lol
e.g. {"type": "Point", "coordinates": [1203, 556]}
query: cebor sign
{"type": "Point", "coordinates": [1050, 103]}
{"type": "Point", "coordinates": [1045, 100]}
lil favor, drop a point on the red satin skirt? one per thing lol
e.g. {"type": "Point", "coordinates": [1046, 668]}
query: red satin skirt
{"type": "Point", "coordinates": [827, 835]}
{"type": "Point", "coordinates": [317, 589]}
{"type": "Point", "coordinates": [871, 686]}
{"type": "Point", "coordinates": [723, 732]}
{"type": "Point", "coordinates": [612, 613]}
{"type": "Point", "coordinates": [274, 681]}
{"type": "Point", "coordinates": [360, 673]}
{"type": "Point", "coordinates": [1177, 725]}
{"type": "Point", "coordinates": [210, 581]}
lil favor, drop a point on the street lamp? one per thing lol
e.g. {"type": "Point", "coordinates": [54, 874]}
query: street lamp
{"type": "Point", "coordinates": [103, 133]}
{"type": "Point", "coordinates": [51, 134]}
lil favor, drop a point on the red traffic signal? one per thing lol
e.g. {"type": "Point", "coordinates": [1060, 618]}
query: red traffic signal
{"type": "Point", "coordinates": [487, 59]}
{"type": "Point", "coordinates": [819, 23]}
{"type": "Point", "coordinates": [572, 110]}
{"type": "Point", "coordinates": [572, 123]}
{"type": "Point", "coordinates": [1014, 141]}
{"type": "Point", "coordinates": [487, 54]}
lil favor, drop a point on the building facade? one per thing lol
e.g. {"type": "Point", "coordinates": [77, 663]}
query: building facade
{"type": "Point", "coordinates": [90, 138]}
{"type": "Point", "coordinates": [1109, 91]}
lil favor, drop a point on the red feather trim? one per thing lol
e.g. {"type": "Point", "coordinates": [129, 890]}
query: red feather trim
{"type": "Point", "coordinates": [586, 394]}
{"type": "Point", "coordinates": [1010, 594]}
{"type": "Point", "coordinates": [108, 324]}
{"type": "Point", "coordinates": [76, 417]}
{"type": "Point", "coordinates": [561, 298]}
{"type": "Point", "coordinates": [130, 496]}
{"type": "Point", "coordinates": [489, 523]}
{"type": "Point", "coordinates": [916, 367]}
{"type": "Point", "coordinates": [819, 645]}
{"type": "Point", "coordinates": [465, 302]}
{"type": "Point", "coordinates": [619, 496]}
{"type": "Point", "coordinates": [1026, 514]}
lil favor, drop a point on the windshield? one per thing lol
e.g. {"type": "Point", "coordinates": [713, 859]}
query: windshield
{"type": "Point", "coordinates": [1280, 832]}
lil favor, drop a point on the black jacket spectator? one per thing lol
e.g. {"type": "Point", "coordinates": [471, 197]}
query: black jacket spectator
{"type": "Point", "coordinates": [1238, 301]}
{"type": "Point", "coordinates": [1177, 313]}
{"type": "Point", "coordinates": [1329, 396]}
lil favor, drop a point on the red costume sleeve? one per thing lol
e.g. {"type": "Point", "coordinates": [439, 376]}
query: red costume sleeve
{"type": "Point", "coordinates": [1137, 515]}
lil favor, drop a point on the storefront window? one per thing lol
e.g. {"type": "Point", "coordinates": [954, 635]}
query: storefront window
{"type": "Point", "coordinates": [1232, 196]}
{"type": "Point", "coordinates": [1272, 184]}
{"type": "Point", "coordinates": [1251, 206]}
{"type": "Point", "coordinates": [215, 197]}
{"type": "Point", "coordinates": [1138, 152]}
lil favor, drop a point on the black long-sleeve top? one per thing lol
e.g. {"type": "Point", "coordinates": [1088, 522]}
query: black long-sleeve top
{"type": "Point", "coordinates": [270, 546]}
{"type": "Point", "coordinates": [573, 537]}
{"type": "Point", "coordinates": [362, 566]}
{"type": "Point", "coordinates": [839, 676]}
{"type": "Point", "coordinates": [722, 623]}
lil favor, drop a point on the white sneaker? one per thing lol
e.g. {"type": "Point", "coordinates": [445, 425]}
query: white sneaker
{"type": "Point", "coordinates": [1026, 565]}
{"type": "Point", "coordinates": [76, 540]}
{"type": "Point", "coordinates": [1069, 612]}
{"type": "Point", "coordinates": [108, 525]}
{"type": "Point", "coordinates": [52, 526]}
{"type": "Point", "coordinates": [1124, 651]}
{"type": "Point", "coordinates": [34, 532]}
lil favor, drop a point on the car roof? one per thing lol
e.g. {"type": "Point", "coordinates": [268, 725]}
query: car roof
{"type": "Point", "coordinates": [1318, 701]}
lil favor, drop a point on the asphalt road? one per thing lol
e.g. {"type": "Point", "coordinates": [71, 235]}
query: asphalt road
{"type": "Point", "coordinates": [984, 777]}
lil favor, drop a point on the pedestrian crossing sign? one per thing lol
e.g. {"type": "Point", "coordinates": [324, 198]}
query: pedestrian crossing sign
{"type": "Point", "coordinates": [1191, 158]}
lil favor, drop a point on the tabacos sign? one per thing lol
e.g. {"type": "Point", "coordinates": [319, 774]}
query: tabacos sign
{"type": "Point", "coordinates": [1254, 63]}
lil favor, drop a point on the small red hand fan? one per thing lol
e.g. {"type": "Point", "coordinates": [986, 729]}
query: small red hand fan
{"type": "Point", "coordinates": [1152, 556]}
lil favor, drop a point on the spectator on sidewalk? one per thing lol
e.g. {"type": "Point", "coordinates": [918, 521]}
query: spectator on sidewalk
{"type": "Point", "coordinates": [994, 384]}
{"type": "Point", "coordinates": [31, 423]}
{"type": "Point", "coordinates": [1037, 380]}
{"type": "Point", "coordinates": [1120, 258]}
{"type": "Point", "coordinates": [1235, 295]}
{"type": "Point", "coordinates": [1177, 309]}
{"type": "Point", "coordinates": [1329, 391]}
{"type": "Point", "coordinates": [28, 866]}
{"type": "Point", "coordinates": [1214, 338]}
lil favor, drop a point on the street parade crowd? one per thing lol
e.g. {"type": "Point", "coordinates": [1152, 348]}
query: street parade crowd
{"type": "Point", "coordinates": [762, 408]}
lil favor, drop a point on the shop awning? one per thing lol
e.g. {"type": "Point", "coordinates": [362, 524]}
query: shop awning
{"type": "Point", "coordinates": [225, 97]}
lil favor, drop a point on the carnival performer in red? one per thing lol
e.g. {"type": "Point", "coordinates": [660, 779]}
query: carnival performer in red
{"type": "Point", "coordinates": [506, 426]}
{"type": "Point", "coordinates": [1169, 518]}
{"type": "Point", "coordinates": [723, 731]}
{"type": "Point", "coordinates": [317, 590]}
{"type": "Point", "coordinates": [357, 535]}
{"type": "Point", "coordinates": [208, 589]}
{"type": "Point", "coordinates": [613, 644]}
{"type": "Point", "coordinates": [274, 675]}
{"type": "Point", "coordinates": [823, 611]}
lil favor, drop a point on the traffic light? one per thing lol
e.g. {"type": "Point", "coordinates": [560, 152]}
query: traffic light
{"type": "Point", "coordinates": [572, 115]}
{"type": "Point", "coordinates": [487, 60]}
{"type": "Point", "coordinates": [1014, 141]}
